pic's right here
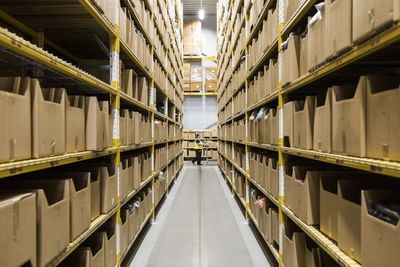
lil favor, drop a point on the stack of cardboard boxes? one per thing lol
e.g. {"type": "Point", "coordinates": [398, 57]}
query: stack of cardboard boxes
{"type": "Point", "coordinates": [211, 79]}
{"type": "Point", "coordinates": [192, 41]}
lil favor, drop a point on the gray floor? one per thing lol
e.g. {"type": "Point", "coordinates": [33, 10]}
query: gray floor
{"type": "Point", "coordinates": [200, 224]}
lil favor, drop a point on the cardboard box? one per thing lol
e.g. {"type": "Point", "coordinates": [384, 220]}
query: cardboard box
{"type": "Point", "coordinates": [316, 41]}
{"type": "Point", "coordinates": [18, 229]}
{"type": "Point", "coordinates": [79, 200]}
{"type": "Point", "coordinates": [96, 124]}
{"type": "Point", "coordinates": [211, 74]}
{"type": "Point", "coordinates": [52, 214]}
{"type": "Point", "coordinates": [323, 122]}
{"type": "Point", "coordinates": [110, 242]}
{"type": "Point", "coordinates": [303, 189]}
{"type": "Point", "coordinates": [348, 119]}
{"type": "Point", "coordinates": [123, 127]}
{"type": "Point", "coordinates": [274, 227]}
{"type": "Point", "coordinates": [125, 173]}
{"type": "Point", "coordinates": [304, 56]}
{"type": "Point", "coordinates": [143, 90]}
{"type": "Point", "coordinates": [291, 60]}
{"type": "Point", "coordinates": [379, 238]}
{"type": "Point", "coordinates": [288, 111]}
{"type": "Point", "coordinates": [95, 248]}
{"type": "Point", "coordinates": [95, 196]}
{"type": "Point", "coordinates": [273, 175]}
{"type": "Point", "coordinates": [133, 129]}
{"type": "Point", "coordinates": [48, 120]}
{"type": "Point", "coordinates": [273, 116]}
{"type": "Point", "coordinates": [75, 123]}
{"type": "Point", "coordinates": [136, 172]}
{"type": "Point", "coordinates": [15, 133]}
{"type": "Point", "coordinates": [124, 237]}
{"type": "Point", "coordinates": [293, 245]}
{"type": "Point", "coordinates": [303, 123]}
{"type": "Point", "coordinates": [338, 28]}
{"type": "Point", "coordinates": [211, 86]}
{"type": "Point", "coordinates": [383, 133]}
{"type": "Point", "coordinates": [328, 204]}
{"type": "Point", "coordinates": [369, 16]}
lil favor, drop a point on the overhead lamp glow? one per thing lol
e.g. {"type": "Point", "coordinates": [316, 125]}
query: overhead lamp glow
{"type": "Point", "coordinates": [201, 14]}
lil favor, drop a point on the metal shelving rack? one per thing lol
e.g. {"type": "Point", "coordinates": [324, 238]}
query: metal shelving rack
{"type": "Point", "coordinates": [28, 53]}
{"type": "Point", "coordinates": [359, 52]}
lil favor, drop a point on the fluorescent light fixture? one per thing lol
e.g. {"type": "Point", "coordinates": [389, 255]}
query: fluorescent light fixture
{"type": "Point", "coordinates": [201, 14]}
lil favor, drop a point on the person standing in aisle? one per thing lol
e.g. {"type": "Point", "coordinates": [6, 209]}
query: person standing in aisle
{"type": "Point", "coordinates": [198, 147]}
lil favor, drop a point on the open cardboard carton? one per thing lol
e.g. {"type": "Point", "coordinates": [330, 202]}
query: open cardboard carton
{"type": "Point", "coordinates": [96, 124]}
{"type": "Point", "coordinates": [380, 239]}
{"type": "Point", "coordinates": [293, 245]}
{"type": "Point", "coordinates": [15, 133]}
{"type": "Point", "coordinates": [75, 123]}
{"type": "Point", "coordinates": [94, 249]}
{"type": "Point", "coordinates": [369, 16]}
{"type": "Point", "coordinates": [383, 117]}
{"type": "Point", "coordinates": [323, 122]}
{"type": "Point", "coordinates": [108, 229]}
{"type": "Point", "coordinates": [303, 123]}
{"type": "Point", "coordinates": [52, 214]}
{"type": "Point", "coordinates": [348, 118]}
{"type": "Point", "coordinates": [18, 229]}
{"type": "Point", "coordinates": [48, 120]}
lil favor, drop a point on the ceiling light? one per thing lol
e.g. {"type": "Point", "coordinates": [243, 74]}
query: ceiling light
{"type": "Point", "coordinates": [201, 14]}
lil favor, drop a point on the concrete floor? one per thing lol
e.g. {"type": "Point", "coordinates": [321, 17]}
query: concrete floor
{"type": "Point", "coordinates": [199, 224]}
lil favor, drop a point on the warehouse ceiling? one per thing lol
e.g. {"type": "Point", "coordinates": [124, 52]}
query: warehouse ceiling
{"type": "Point", "coordinates": [191, 7]}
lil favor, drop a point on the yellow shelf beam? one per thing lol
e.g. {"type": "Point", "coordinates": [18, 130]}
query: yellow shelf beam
{"type": "Point", "coordinates": [30, 51]}
{"type": "Point", "coordinates": [200, 94]}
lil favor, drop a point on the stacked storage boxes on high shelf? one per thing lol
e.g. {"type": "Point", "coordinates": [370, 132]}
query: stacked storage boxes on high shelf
{"type": "Point", "coordinates": [59, 196]}
{"type": "Point", "coordinates": [341, 135]}
{"type": "Point", "coordinates": [193, 78]}
{"type": "Point", "coordinates": [210, 139]}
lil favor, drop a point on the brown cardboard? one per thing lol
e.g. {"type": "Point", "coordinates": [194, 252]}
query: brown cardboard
{"type": "Point", "coordinates": [303, 123]}
{"type": "Point", "coordinates": [211, 86]}
{"type": "Point", "coordinates": [79, 201]}
{"type": "Point", "coordinates": [15, 133]}
{"type": "Point", "coordinates": [273, 116]}
{"type": "Point", "coordinates": [96, 124]}
{"type": "Point", "coordinates": [288, 110]}
{"type": "Point", "coordinates": [338, 28]}
{"type": "Point", "coordinates": [348, 119]}
{"type": "Point", "coordinates": [95, 198]}
{"type": "Point", "coordinates": [383, 95]}
{"type": "Point", "coordinates": [195, 86]}
{"type": "Point", "coordinates": [95, 245]}
{"type": "Point", "coordinates": [328, 204]}
{"type": "Point", "coordinates": [124, 234]}
{"type": "Point", "coordinates": [18, 229]}
{"type": "Point", "coordinates": [304, 56]}
{"type": "Point", "coordinates": [273, 175]}
{"type": "Point", "coordinates": [349, 209]}
{"type": "Point", "coordinates": [136, 172]}
{"type": "Point", "coordinates": [379, 246]}
{"type": "Point", "coordinates": [291, 60]}
{"type": "Point", "coordinates": [369, 16]}
{"type": "Point", "coordinates": [123, 127]}
{"type": "Point", "coordinates": [125, 171]}
{"type": "Point", "coordinates": [75, 123]}
{"type": "Point", "coordinates": [108, 183]}
{"type": "Point", "coordinates": [143, 87]}
{"type": "Point", "coordinates": [304, 191]}
{"type": "Point", "coordinates": [323, 122]}
{"type": "Point", "coordinates": [274, 226]}
{"type": "Point", "coordinates": [110, 242]}
{"type": "Point", "coordinates": [52, 214]}
{"type": "Point", "coordinates": [316, 42]}
{"type": "Point", "coordinates": [48, 120]}
{"type": "Point", "coordinates": [293, 245]}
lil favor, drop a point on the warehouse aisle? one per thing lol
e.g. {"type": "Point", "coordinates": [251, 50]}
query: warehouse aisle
{"type": "Point", "coordinates": [200, 225]}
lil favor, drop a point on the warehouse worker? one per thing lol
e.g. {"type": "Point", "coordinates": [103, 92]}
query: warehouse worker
{"type": "Point", "coordinates": [198, 147]}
